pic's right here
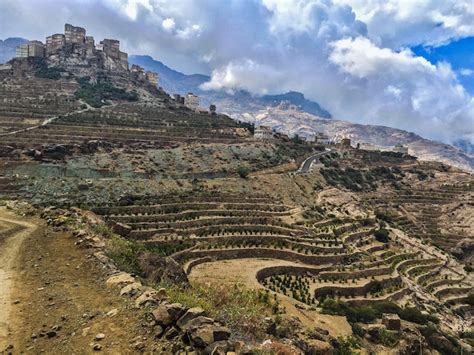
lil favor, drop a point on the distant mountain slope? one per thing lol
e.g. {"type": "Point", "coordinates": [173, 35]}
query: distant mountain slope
{"type": "Point", "coordinates": [175, 82]}
{"type": "Point", "coordinates": [291, 121]}
{"type": "Point", "coordinates": [7, 48]}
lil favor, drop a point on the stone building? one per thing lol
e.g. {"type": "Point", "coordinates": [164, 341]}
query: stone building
{"type": "Point", "coordinates": [346, 142]}
{"type": "Point", "coordinates": [152, 78]}
{"type": "Point", "coordinates": [263, 133]}
{"type": "Point", "coordinates": [74, 34]}
{"type": "Point", "coordinates": [191, 101]}
{"type": "Point", "coordinates": [111, 47]}
{"type": "Point", "coordinates": [391, 321]}
{"type": "Point", "coordinates": [178, 99]}
{"type": "Point", "coordinates": [367, 146]}
{"type": "Point", "coordinates": [30, 49]}
{"type": "Point", "coordinates": [74, 41]}
{"type": "Point", "coordinates": [55, 42]}
{"type": "Point", "coordinates": [22, 51]}
{"type": "Point", "coordinates": [400, 148]}
{"type": "Point", "coordinates": [322, 138]}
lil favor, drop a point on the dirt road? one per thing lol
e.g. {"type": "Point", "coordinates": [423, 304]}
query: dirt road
{"type": "Point", "coordinates": [13, 232]}
{"type": "Point", "coordinates": [53, 297]}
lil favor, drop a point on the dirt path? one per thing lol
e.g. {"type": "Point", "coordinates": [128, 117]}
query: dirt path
{"type": "Point", "coordinates": [57, 299]}
{"type": "Point", "coordinates": [13, 232]}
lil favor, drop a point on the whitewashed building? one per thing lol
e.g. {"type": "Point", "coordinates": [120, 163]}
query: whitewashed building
{"type": "Point", "coordinates": [322, 139]}
{"type": "Point", "coordinates": [263, 133]}
{"type": "Point", "coordinates": [368, 146]}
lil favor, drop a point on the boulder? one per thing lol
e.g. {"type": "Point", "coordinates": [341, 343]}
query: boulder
{"type": "Point", "coordinates": [190, 314]}
{"type": "Point", "coordinates": [131, 289]}
{"type": "Point", "coordinates": [120, 279]}
{"type": "Point", "coordinates": [222, 347]}
{"type": "Point", "coordinates": [121, 229]}
{"type": "Point", "coordinates": [168, 314]}
{"type": "Point", "coordinates": [207, 334]}
{"type": "Point", "coordinates": [148, 297]}
{"type": "Point", "coordinates": [157, 268]}
{"type": "Point", "coordinates": [373, 330]}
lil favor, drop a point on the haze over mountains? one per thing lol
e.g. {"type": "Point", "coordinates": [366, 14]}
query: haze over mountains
{"type": "Point", "coordinates": [279, 112]}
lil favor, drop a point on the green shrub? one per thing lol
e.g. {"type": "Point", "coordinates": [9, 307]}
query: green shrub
{"type": "Point", "coordinates": [97, 95]}
{"type": "Point", "coordinates": [382, 235]}
{"type": "Point", "coordinates": [243, 171]}
{"type": "Point", "coordinates": [388, 338]}
{"type": "Point", "coordinates": [43, 71]}
{"type": "Point", "coordinates": [125, 253]}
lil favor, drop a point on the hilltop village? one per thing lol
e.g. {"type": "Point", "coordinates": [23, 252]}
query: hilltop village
{"type": "Point", "coordinates": [75, 43]}
{"type": "Point", "coordinates": [145, 223]}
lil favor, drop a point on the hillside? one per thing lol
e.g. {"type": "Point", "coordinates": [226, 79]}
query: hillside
{"type": "Point", "coordinates": [293, 121]}
{"type": "Point", "coordinates": [148, 227]}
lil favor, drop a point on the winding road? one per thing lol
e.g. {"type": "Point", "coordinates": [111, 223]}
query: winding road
{"type": "Point", "coordinates": [306, 165]}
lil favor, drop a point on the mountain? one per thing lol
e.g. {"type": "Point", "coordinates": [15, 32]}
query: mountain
{"type": "Point", "coordinates": [241, 101]}
{"type": "Point", "coordinates": [7, 48]}
{"type": "Point", "coordinates": [465, 145]}
{"type": "Point", "coordinates": [290, 120]}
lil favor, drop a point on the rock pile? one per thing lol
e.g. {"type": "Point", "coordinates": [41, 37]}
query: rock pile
{"type": "Point", "coordinates": [187, 329]}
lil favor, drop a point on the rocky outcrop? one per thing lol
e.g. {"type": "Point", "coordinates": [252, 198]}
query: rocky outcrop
{"type": "Point", "coordinates": [157, 268]}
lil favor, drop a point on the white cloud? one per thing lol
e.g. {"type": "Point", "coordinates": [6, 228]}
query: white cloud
{"type": "Point", "coordinates": [466, 72]}
{"type": "Point", "coordinates": [398, 23]}
{"type": "Point", "coordinates": [247, 74]}
{"type": "Point", "coordinates": [168, 24]}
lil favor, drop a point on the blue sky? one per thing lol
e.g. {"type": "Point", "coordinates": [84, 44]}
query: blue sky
{"type": "Point", "coordinates": [459, 53]}
{"type": "Point", "coordinates": [398, 63]}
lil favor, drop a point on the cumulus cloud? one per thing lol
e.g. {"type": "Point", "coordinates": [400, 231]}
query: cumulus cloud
{"type": "Point", "coordinates": [351, 56]}
{"type": "Point", "coordinates": [398, 23]}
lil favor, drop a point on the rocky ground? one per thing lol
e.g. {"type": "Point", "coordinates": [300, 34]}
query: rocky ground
{"type": "Point", "coordinates": [57, 299]}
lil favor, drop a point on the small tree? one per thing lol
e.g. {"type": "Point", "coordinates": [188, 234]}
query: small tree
{"type": "Point", "coordinates": [213, 109]}
{"type": "Point", "coordinates": [243, 171]}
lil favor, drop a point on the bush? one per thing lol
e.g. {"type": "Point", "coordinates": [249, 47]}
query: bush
{"type": "Point", "coordinates": [97, 95]}
{"type": "Point", "coordinates": [125, 253]}
{"type": "Point", "coordinates": [367, 314]}
{"type": "Point", "coordinates": [388, 338]}
{"type": "Point", "coordinates": [241, 309]}
{"type": "Point", "coordinates": [382, 235]}
{"type": "Point", "coordinates": [243, 171]}
{"type": "Point", "coordinates": [43, 71]}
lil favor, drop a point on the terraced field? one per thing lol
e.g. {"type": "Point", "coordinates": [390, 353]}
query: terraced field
{"type": "Point", "coordinates": [308, 261]}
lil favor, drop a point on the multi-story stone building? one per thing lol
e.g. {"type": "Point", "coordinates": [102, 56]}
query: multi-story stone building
{"type": "Point", "coordinates": [74, 34]}
{"type": "Point", "coordinates": [263, 133]}
{"type": "Point", "coordinates": [111, 47]}
{"type": "Point", "coordinates": [346, 142]}
{"type": "Point", "coordinates": [30, 49]}
{"type": "Point", "coordinates": [322, 138]}
{"type": "Point", "coordinates": [74, 40]}
{"type": "Point", "coordinates": [22, 51]}
{"type": "Point", "coordinates": [152, 78]}
{"type": "Point", "coordinates": [191, 101]}
{"type": "Point", "coordinates": [55, 42]}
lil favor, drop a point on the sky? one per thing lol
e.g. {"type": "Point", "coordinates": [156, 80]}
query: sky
{"type": "Point", "coordinates": [407, 64]}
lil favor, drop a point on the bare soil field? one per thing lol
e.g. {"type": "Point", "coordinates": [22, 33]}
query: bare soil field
{"type": "Point", "coordinates": [243, 271]}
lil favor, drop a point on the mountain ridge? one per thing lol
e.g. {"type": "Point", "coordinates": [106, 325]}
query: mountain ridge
{"type": "Point", "coordinates": [174, 81]}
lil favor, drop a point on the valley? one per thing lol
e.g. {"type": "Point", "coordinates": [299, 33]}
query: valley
{"type": "Point", "coordinates": [158, 227]}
